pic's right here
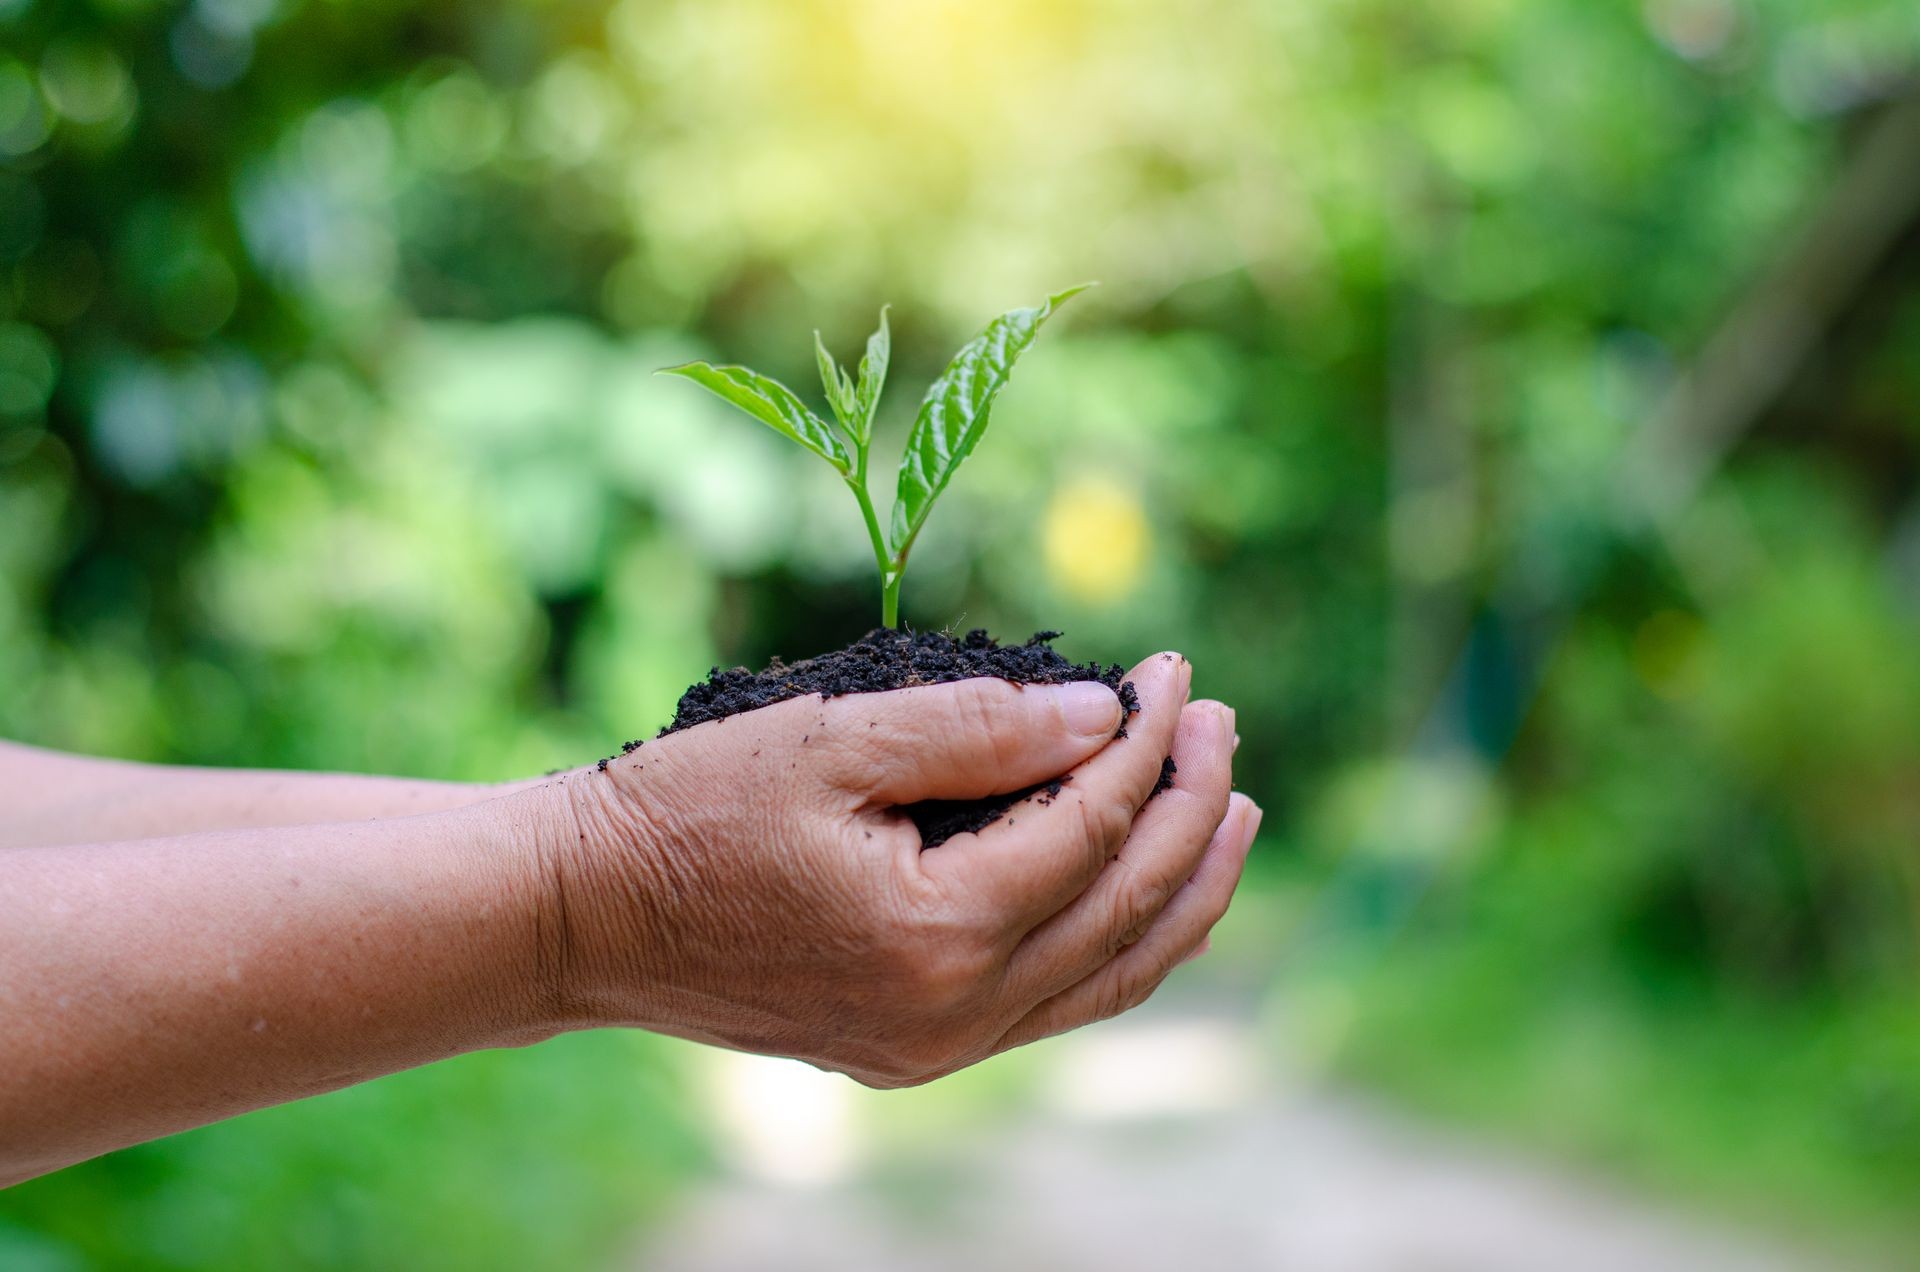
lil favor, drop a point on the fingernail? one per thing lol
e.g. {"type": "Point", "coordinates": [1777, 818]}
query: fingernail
{"type": "Point", "coordinates": [1236, 743]}
{"type": "Point", "coordinates": [1206, 944]}
{"type": "Point", "coordinates": [1089, 708]}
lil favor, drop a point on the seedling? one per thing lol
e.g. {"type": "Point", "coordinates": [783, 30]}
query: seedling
{"type": "Point", "coordinates": [953, 417]}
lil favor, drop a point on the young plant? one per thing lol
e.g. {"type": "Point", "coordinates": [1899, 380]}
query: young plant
{"type": "Point", "coordinates": [952, 419]}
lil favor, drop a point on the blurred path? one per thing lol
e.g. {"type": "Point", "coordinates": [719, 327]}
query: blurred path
{"type": "Point", "coordinates": [1161, 1150]}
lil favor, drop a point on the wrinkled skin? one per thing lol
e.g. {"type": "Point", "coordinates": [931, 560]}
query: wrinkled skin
{"type": "Point", "coordinates": [752, 883]}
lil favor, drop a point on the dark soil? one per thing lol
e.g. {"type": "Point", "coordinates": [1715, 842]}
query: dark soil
{"type": "Point", "coordinates": [885, 659]}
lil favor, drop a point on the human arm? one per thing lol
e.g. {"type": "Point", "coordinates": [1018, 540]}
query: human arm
{"type": "Point", "coordinates": [48, 797]}
{"type": "Point", "coordinates": [747, 883]}
{"type": "Point", "coordinates": [154, 985]}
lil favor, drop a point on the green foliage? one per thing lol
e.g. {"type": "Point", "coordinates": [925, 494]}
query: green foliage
{"type": "Point", "coordinates": [952, 420]}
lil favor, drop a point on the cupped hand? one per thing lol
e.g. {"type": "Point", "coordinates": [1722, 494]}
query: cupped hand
{"type": "Point", "coordinates": [753, 883]}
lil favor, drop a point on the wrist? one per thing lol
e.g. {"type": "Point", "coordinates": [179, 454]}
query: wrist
{"type": "Point", "coordinates": [580, 854]}
{"type": "Point", "coordinates": [508, 847]}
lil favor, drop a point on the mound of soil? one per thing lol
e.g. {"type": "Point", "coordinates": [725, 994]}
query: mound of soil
{"type": "Point", "coordinates": [885, 659]}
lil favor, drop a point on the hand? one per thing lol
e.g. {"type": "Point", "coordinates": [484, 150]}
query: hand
{"type": "Point", "coordinates": [751, 882]}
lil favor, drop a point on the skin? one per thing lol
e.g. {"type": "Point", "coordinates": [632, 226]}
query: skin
{"type": "Point", "coordinates": [152, 985]}
{"type": "Point", "coordinates": [51, 798]}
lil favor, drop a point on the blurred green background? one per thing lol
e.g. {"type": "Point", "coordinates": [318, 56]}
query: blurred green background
{"type": "Point", "coordinates": [1510, 407]}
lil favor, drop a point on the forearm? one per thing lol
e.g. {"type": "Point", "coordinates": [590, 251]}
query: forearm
{"type": "Point", "coordinates": [148, 987]}
{"type": "Point", "coordinates": [47, 798]}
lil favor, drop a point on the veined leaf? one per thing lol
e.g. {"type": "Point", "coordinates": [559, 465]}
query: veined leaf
{"type": "Point", "coordinates": [956, 411]}
{"type": "Point", "coordinates": [840, 391]}
{"type": "Point", "coordinates": [873, 376]}
{"type": "Point", "coordinates": [855, 406]}
{"type": "Point", "coordinates": [770, 402]}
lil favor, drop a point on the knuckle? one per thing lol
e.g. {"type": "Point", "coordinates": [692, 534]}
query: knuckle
{"type": "Point", "coordinates": [1116, 995]}
{"type": "Point", "coordinates": [1121, 924]}
{"type": "Point", "coordinates": [977, 714]}
{"type": "Point", "coordinates": [1137, 900]}
{"type": "Point", "coordinates": [1144, 991]}
{"type": "Point", "coordinates": [1126, 938]}
{"type": "Point", "coordinates": [1104, 823]}
{"type": "Point", "coordinates": [1135, 990]}
{"type": "Point", "coordinates": [1123, 992]}
{"type": "Point", "coordinates": [971, 706]}
{"type": "Point", "coordinates": [1152, 893]}
{"type": "Point", "coordinates": [1157, 968]}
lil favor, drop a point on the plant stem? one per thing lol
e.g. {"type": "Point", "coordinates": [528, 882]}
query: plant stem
{"type": "Point", "coordinates": [890, 599]}
{"type": "Point", "coordinates": [890, 570]}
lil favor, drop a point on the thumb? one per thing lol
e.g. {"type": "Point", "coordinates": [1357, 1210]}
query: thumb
{"type": "Point", "coordinates": [968, 739]}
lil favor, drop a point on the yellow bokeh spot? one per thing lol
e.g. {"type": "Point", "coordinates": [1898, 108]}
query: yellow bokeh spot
{"type": "Point", "coordinates": [1097, 539]}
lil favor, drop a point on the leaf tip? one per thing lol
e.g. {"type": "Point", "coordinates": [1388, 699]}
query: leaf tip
{"type": "Point", "coordinates": [1060, 298]}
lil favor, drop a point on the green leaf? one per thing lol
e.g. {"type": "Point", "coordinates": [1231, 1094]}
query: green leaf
{"type": "Point", "coordinates": [873, 376]}
{"type": "Point", "coordinates": [956, 411]}
{"type": "Point", "coordinates": [840, 392]}
{"type": "Point", "coordinates": [854, 406]}
{"type": "Point", "coordinates": [770, 402]}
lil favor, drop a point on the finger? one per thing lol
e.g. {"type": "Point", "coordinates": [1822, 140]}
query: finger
{"type": "Point", "coordinates": [1026, 866]}
{"type": "Point", "coordinates": [1168, 841]}
{"type": "Point", "coordinates": [1183, 926]}
{"type": "Point", "coordinates": [964, 740]}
